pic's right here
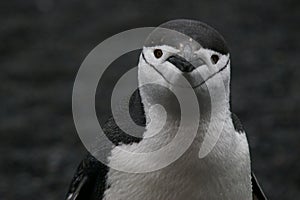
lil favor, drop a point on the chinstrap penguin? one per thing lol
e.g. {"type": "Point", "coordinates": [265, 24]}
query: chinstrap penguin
{"type": "Point", "coordinates": [224, 173]}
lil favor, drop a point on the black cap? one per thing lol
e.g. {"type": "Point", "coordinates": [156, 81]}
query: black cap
{"type": "Point", "coordinates": [200, 32]}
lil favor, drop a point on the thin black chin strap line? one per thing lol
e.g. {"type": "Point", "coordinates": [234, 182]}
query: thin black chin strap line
{"type": "Point", "coordinates": [224, 67]}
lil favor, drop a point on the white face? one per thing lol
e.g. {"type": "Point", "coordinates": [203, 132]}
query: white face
{"type": "Point", "coordinates": [167, 66]}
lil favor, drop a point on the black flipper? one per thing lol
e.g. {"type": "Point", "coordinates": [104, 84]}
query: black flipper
{"type": "Point", "coordinates": [237, 123]}
{"type": "Point", "coordinates": [257, 192]}
{"type": "Point", "coordinates": [89, 181]}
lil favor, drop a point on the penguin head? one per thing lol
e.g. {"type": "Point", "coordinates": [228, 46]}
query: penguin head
{"type": "Point", "coordinates": [181, 51]}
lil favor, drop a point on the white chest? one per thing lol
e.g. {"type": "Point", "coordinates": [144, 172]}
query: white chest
{"type": "Point", "coordinates": [222, 174]}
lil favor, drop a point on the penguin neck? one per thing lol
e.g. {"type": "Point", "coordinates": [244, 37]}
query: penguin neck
{"type": "Point", "coordinates": [167, 109]}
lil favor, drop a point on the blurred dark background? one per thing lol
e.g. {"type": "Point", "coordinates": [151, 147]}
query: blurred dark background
{"type": "Point", "coordinates": [43, 42]}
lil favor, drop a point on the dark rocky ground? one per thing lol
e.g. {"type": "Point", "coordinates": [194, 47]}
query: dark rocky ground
{"type": "Point", "coordinates": [43, 42]}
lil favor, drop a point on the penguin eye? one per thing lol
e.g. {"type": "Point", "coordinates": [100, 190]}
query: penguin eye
{"type": "Point", "coordinates": [214, 58]}
{"type": "Point", "coordinates": [158, 53]}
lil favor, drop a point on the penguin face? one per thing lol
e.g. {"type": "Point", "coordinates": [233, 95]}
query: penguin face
{"type": "Point", "coordinates": [185, 51]}
{"type": "Point", "coordinates": [169, 65]}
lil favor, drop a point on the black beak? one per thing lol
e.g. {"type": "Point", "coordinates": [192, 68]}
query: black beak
{"type": "Point", "coordinates": [181, 63]}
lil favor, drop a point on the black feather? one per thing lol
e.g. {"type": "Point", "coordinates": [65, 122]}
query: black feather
{"type": "Point", "coordinates": [237, 123]}
{"type": "Point", "coordinates": [89, 181]}
{"type": "Point", "coordinates": [256, 189]}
